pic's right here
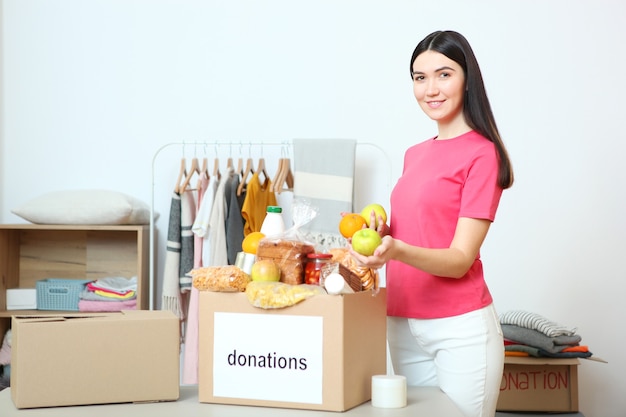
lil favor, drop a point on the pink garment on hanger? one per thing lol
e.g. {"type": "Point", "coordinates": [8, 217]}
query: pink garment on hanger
{"type": "Point", "coordinates": [190, 358]}
{"type": "Point", "coordinates": [203, 184]}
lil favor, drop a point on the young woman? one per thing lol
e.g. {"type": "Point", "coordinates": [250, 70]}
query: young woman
{"type": "Point", "coordinates": [443, 329]}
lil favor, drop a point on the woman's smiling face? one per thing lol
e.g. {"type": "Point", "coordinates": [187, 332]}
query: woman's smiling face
{"type": "Point", "coordinates": [439, 87]}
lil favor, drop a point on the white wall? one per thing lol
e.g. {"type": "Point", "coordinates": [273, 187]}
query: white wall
{"type": "Point", "coordinates": [91, 90]}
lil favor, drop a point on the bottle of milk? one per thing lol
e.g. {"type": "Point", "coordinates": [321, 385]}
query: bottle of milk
{"type": "Point", "coordinates": [273, 224]}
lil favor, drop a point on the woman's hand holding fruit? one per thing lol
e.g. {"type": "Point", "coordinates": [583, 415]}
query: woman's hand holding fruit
{"type": "Point", "coordinates": [368, 235]}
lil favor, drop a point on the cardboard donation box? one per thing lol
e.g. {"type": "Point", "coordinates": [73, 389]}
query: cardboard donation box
{"type": "Point", "coordinates": [539, 384]}
{"type": "Point", "coordinates": [98, 358]}
{"type": "Point", "coordinates": [320, 354]}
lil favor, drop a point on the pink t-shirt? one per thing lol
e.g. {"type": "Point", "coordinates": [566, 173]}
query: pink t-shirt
{"type": "Point", "coordinates": [442, 180]}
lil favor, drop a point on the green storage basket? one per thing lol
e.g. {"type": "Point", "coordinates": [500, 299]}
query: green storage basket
{"type": "Point", "coordinates": [59, 294]}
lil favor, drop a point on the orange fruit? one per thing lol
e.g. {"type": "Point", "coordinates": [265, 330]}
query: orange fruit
{"type": "Point", "coordinates": [250, 243]}
{"type": "Point", "coordinates": [350, 224]}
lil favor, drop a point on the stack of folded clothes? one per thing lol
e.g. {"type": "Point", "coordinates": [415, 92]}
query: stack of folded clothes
{"type": "Point", "coordinates": [5, 361]}
{"type": "Point", "coordinates": [109, 294]}
{"type": "Point", "coordinates": [530, 334]}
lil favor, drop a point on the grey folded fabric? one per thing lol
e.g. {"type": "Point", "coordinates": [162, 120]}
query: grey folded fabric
{"type": "Point", "coordinates": [537, 339]}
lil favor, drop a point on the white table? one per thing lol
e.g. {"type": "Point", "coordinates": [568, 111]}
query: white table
{"type": "Point", "coordinates": [430, 402]}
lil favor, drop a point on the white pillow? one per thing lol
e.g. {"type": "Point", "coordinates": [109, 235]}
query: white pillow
{"type": "Point", "coordinates": [85, 207]}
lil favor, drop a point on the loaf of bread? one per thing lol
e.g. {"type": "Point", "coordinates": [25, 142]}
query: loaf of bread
{"type": "Point", "coordinates": [289, 255]}
{"type": "Point", "coordinates": [229, 278]}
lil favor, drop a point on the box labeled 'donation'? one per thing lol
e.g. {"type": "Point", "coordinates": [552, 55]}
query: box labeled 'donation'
{"type": "Point", "coordinates": [80, 359]}
{"type": "Point", "coordinates": [320, 354]}
{"type": "Point", "coordinates": [539, 384]}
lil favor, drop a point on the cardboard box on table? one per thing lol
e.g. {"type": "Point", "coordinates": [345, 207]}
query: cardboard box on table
{"type": "Point", "coordinates": [539, 385]}
{"type": "Point", "coordinates": [98, 358]}
{"type": "Point", "coordinates": [320, 354]}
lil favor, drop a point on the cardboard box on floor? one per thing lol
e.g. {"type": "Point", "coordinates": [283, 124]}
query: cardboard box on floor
{"type": "Point", "coordinates": [320, 354]}
{"type": "Point", "coordinates": [539, 384]}
{"type": "Point", "coordinates": [80, 359]}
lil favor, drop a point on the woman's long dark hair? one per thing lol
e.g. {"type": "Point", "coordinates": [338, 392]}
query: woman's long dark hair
{"type": "Point", "coordinates": [476, 107]}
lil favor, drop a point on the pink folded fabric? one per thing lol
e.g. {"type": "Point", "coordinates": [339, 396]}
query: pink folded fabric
{"type": "Point", "coordinates": [5, 354]}
{"type": "Point", "coordinates": [106, 306]}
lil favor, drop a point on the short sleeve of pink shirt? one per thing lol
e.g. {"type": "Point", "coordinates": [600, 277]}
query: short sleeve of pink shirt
{"type": "Point", "coordinates": [441, 181]}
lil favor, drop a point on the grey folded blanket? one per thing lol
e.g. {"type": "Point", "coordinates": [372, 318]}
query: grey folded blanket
{"type": "Point", "coordinates": [530, 337]}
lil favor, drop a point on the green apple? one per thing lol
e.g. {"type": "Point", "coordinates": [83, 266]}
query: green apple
{"type": "Point", "coordinates": [377, 209]}
{"type": "Point", "coordinates": [365, 241]}
{"type": "Point", "coordinates": [265, 270]}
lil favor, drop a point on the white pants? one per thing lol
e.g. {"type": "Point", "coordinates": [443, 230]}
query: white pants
{"type": "Point", "coordinates": [463, 355]}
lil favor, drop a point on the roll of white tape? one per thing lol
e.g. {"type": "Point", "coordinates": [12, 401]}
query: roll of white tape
{"type": "Point", "coordinates": [388, 391]}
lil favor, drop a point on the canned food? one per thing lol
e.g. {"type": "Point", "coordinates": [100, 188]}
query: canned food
{"type": "Point", "coordinates": [315, 263]}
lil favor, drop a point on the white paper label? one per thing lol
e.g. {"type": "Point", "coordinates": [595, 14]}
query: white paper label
{"type": "Point", "coordinates": [268, 357]}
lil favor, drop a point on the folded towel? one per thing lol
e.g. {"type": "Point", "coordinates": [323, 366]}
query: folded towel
{"type": "Point", "coordinates": [106, 306]}
{"type": "Point", "coordinates": [90, 295]}
{"type": "Point", "coordinates": [324, 175]}
{"type": "Point", "coordinates": [119, 285]}
{"type": "Point", "coordinates": [113, 296]}
{"type": "Point", "coordinates": [537, 339]}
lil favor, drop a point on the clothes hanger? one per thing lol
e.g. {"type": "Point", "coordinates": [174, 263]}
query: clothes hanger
{"type": "Point", "coordinates": [284, 174]}
{"type": "Point", "coordinates": [286, 177]}
{"type": "Point", "coordinates": [182, 173]}
{"type": "Point", "coordinates": [260, 169]}
{"type": "Point", "coordinates": [216, 168]}
{"type": "Point", "coordinates": [279, 172]}
{"type": "Point", "coordinates": [249, 170]}
{"type": "Point", "coordinates": [195, 169]}
{"type": "Point", "coordinates": [239, 170]}
{"type": "Point", "coordinates": [204, 171]}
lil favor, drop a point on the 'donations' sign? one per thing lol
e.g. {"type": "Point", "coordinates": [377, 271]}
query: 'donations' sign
{"type": "Point", "coordinates": [267, 357]}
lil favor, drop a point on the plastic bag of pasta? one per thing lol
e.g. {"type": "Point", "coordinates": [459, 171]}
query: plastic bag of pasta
{"type": "Point", "coordinates": [270, 295]}
{"type": "Point", "coordinates": [229, 278]}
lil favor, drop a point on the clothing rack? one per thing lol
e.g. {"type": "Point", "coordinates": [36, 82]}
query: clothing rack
{"type": "Point", "coordinates": [286, 145]}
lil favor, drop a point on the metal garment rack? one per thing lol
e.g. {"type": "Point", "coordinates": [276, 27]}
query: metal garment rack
{"type": "Point", "coordinates": [285, 146]}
